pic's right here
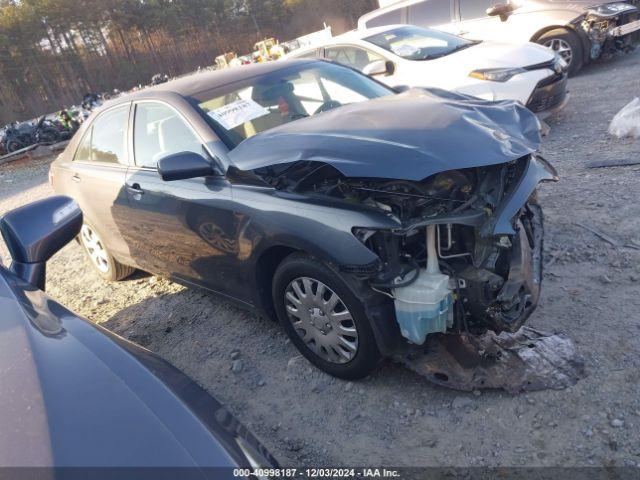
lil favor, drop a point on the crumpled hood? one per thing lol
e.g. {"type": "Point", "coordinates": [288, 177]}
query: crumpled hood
{"type": "Point", "coordinates": [409, 136]}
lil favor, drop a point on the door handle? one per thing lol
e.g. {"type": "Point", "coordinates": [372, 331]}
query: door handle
{"type": "Point", "coordinates": [75, 178]}
{"type": "Point", "coordinates": [135, 189]}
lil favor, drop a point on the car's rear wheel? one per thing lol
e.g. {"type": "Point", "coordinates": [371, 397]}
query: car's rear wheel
{"type": "Point", "coordinates": [102, 261]}
{"type": "Point", "coordinates": [324, 318]}
{"type": "Point", "coordinates": [566, 44]}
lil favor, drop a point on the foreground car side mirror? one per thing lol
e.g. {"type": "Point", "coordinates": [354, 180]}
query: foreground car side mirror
{"type": "Point", "coordinates": [35, 232]}
{"type": "Point", "coordinates": [379, 67]}
{"type": "Point", "coordinates": [503, 10]}
{"type": "Point", "coordinates": [184, 165]}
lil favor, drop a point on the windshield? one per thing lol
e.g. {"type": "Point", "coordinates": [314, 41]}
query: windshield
{"type": "Point", "coordinates": [415, 43]}
{"type": "Point", "coordinates": [243, 109]}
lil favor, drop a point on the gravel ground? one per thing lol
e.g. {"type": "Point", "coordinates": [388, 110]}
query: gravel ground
{"type": "Point", "coordinates": [395, 417]}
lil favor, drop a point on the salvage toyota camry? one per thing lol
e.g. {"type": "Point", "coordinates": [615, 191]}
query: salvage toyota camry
{"type": "Point", "coordinates": [364, 220]}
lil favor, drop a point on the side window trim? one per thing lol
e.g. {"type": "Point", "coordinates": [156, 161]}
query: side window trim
{"type": "Point", "coordinates": [134, 164]}
{"type": "Point", "coordinates": [90, 132]}
{"type": "Point", "coordinates": [456, 11]}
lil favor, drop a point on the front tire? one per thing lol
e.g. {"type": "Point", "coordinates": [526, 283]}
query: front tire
{"type": "Point", "coordinates": [324, 318]}
{"type": "Point", "coordinates": [101, 260]}
{"type": "Point", "coordinates": [567, 44]}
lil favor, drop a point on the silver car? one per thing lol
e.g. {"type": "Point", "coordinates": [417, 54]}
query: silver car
{"type": "Point", "coordinates": [579, 30]}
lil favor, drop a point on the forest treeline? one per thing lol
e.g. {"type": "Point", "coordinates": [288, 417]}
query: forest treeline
{"type": "Point", "coordinates": [52, 52]}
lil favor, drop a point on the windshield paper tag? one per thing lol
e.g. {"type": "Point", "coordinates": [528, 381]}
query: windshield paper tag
{"type": "Point", "coordinates": [236, 113]}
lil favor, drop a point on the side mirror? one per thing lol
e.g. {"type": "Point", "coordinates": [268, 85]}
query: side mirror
{"type": "Point", "coordinates": [35, 232]}
{"type": "Point", "coordinates": [379, 67]}
{"type": "Point", "coordinates": [183, 165]}
{"type": "Point", "coordinates": [503, 10]}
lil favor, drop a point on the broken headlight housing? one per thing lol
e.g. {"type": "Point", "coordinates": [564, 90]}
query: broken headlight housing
{"type": "Point", "coordinates": [496, 74]}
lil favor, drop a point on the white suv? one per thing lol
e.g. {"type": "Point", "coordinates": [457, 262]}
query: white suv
{"type": "Point", "coordinates": [579, 30]}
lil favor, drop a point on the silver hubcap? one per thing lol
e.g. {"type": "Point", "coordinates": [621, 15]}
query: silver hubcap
{"type": "Point", "coordinates": [95, 249]}
{"type": "Point", "coordinates": [561, 47]}
{"type": "Point", "coordinates": [322, 320]}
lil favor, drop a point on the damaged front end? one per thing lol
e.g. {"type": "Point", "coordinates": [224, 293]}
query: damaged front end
{"type": "Point", "coordinates": [611, 27]}
{"type": "Point", "coordinates": [455, 177]}
{"type": "Point", "coordinates": [467, 252]}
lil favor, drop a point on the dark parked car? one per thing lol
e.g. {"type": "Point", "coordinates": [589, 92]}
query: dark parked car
{"type": "Point", "coordinates": [316, 194]}
{"type": "Point", "coordinates": [75, 395]}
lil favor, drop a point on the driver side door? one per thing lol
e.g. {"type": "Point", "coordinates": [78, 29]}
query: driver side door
{"type": "Point", "coordinates": [181, 229]}
{"type": "Point", "coordinates": [475, 24]}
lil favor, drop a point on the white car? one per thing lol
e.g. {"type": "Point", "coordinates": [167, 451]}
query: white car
{"type": "Point", "coordinates": [410, 56]}
{"type": "Point", "coordinates": [579, 30]}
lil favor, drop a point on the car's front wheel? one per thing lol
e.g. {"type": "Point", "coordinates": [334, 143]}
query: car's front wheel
{"type": "Point", "coordinates": [324, 318]}
{"type": "Point", "coordinates": [102, 261]}
{"type": "Point", "coordinates": [566, 44]}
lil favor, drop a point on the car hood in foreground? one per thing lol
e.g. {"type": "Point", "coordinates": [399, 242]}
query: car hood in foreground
{"type": "Point", "coordinates": [75, 395]}
{"type": "Point", "coordinates": [409, 136]}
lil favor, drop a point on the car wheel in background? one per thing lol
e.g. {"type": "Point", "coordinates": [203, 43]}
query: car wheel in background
{"type": "Point", "coordinates": [14, 146]}
{"type": "Point", "coordinates": [566, 44]}
{"type": "Point", "coordinates": [102, 261]}
{"type": "Point", "coordinates": [324, 318]}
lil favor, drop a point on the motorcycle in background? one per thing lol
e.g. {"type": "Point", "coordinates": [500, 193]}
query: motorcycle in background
{"type": "Point", "coordinates": [16, 137]}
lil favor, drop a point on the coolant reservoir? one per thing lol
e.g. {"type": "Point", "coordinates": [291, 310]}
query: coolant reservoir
{"type": "Point", "coordinates": [425, 306]}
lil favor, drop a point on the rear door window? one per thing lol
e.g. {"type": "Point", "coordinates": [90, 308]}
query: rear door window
{"type": "Point", "coordinates": [109, 137]}
{"type": "Point", "coordinates": [430, 13]}
{"type": "Point", "coordinates": [393, 17]}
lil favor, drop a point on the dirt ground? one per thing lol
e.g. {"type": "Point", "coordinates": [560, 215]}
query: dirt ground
{"type": "Point", "coordinates": [394, 417]}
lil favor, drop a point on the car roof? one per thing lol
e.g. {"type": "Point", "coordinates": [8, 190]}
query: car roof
{"type": "Point", "coordinates": [198, 82]}
{"type": "Point", "coordinates": [365, 33]}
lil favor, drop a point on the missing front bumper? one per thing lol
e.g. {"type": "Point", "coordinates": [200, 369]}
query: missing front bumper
{"type": "Point", "coordinates": [527, 360]}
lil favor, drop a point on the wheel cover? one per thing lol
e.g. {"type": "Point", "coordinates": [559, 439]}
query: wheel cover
{"type": "Point", "coordinates": [94, 247]}
{"type": "Point", "coordinates": [561, 47]}
{"type": "Point", "coordinates": [321, 320]}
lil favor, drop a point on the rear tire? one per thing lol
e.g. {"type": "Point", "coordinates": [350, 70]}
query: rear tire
{"type": "Point", "coordinates": [345, 323]}
{"type": "Point", "coordinates": [103, 263]}
{"type": "Point", "coordinates": [568, 45]}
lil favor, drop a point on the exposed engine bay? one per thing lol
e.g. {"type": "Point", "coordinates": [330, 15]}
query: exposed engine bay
{"type": "Point", "coordinates": [452, 225]}
{"type": "Point", "coordinates": [611, 27]}
{"type": "Point", "coordinates": [444, 247]}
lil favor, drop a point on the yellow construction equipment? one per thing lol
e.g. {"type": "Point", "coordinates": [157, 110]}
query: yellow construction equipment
{"type": "Point", "coordinates": [264, 47]}
{"type": "Point", "coordinates": [222, 61]}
